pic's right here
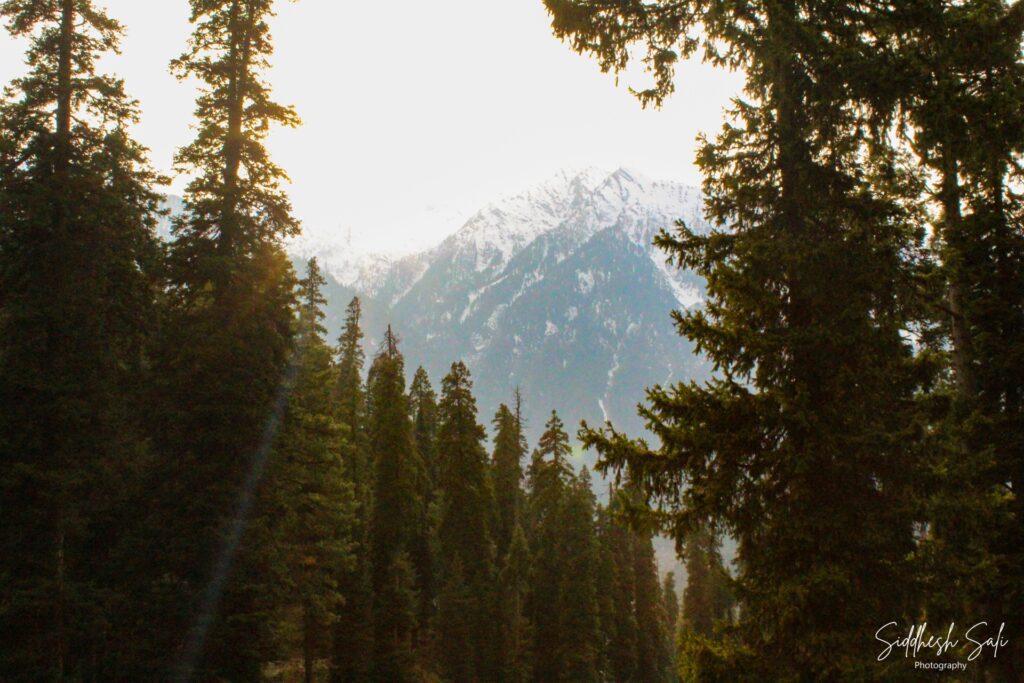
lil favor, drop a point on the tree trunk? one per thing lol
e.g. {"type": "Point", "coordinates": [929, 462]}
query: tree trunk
{"type": "Point", "coordinates": [59, 617]}
{"type": "Point", "coordinates": [64, 89]}
{"type": "Point", "coordinates": [62, 163]}
{"type": "Point", "coordinates": [953, 237]}
{"type": "Point", "coordinates": [239, 57]}
{"type": "Point", "coordinates": [307, 645]}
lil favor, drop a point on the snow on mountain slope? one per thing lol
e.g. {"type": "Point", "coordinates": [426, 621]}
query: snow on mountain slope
{"type": "Point", "coordinates": [500, 230]}
{"type": "Point", "coordinates": [573, 204]}
{"type": "Point", "coordinates": [557, 290]}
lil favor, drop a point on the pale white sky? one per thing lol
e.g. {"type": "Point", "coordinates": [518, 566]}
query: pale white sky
{"type": "Point", "coordinates": [416, 113]}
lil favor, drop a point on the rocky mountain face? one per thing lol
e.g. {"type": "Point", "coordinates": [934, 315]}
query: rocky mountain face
{"type": "Point", "coordinates": [557, 290]}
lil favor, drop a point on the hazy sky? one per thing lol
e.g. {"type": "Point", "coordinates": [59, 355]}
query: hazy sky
{"type": "Point", "coordinates": [416, 113]}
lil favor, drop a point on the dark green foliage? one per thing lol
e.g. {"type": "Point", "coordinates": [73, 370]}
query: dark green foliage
{"type": "Point", "coordinates": [456, 638]}
{"type": "Point", "coordinates": [352, 655]}
{"type": "Point", "coordinates": [617, 577]}
{"type": "Point", "coordinates": [653, 639]}
{"type": "Point", "coordinates": [803, 435]}
{"type": "Point", "coordinates": [229, 336]}
{"type": "Point", "coordinates": [507, 474]}
{"type": "Point", "coordinates": [399, 516]}
{"type": "Point", "coordinates": [465, 480]}
{"type": "Point", "coordinates": [550, 477]}
{"type": "Point", "coordinates": [707, 605]}
{"type": "Point", "coordinates": [564, 602]}
{"type": "Point", "coordinates": [467, 501]}
{"type": "Point", "coordinates": [706, 600]}
{"type": "Point", "coordinates": [966, 86]}
{"type": "Point", "coordinates": [302, 535]}
{"type": "Point", "coordinates": [423, 410]}
{"type": "Point", "coordinates": [396, 622]}
{"type": "Point", "coordinates": [515, 631]}
{"type": "Point", "coordinates": [78, 267]}
{"type": "Point", "coordinates": [398, 471]}
{"type": "Point", "coordinates": [351, 399]}
{"type": "Point", "coordinates": [670, 602]}
{"type": "Point", "coordinates": [577, 651]}
{"type": "Point", "coordinates": [670, 606]}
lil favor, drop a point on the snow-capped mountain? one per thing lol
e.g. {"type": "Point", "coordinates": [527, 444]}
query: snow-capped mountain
{"type": "Point", "coordinates": [557, 290]}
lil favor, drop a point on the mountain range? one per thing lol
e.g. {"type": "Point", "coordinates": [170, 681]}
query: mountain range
{"type": "Point", "coordinates": [557, 290]}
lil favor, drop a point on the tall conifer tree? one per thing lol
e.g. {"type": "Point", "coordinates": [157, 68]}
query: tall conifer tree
{"type": "Point", "coordinates": [555, 514]}
{"type": "Point", "coordinates": [303, 534]}
{"type": "Point", "coordinates": [653, 640]}
{"type": "Point", "coordinates": [616, 575]}
{"type": "Point", "coordinates": [423, 410]}
{"type": "Point", "coordinates": [578, 649]}
{"type": "Point", "coordinates": [352, 656]}
{"type": "Point", "coordinates": [467, 504]}
{"type": "Point", "coordinates": [963, 68]}
{"type": "Point", "coordinates": [515, 663]}
{"type": "Point", "coordinates": [228, 347]}
{"type": "Point", "coordinates": [670, 605]}
{"type": "Point", "coordinates": [507, 473]}
{"type": "Point", "coordinates": [398, 510]}
{"type": "Point", "coordinates": [803, 435]}
{"type": "Point", "coordinates": [77, 291]}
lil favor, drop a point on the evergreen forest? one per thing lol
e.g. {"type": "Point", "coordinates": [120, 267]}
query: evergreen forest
{"type": "Point", "coordinates": [197, 484]}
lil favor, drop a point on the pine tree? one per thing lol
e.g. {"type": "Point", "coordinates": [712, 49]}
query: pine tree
{"type": "Point", "coordinates": [616, 599]}
{"type": "Point", "coordinates": [456, 639]}
{"type": "Point", "coordinates": [963, 69]}
{"type": "Point", "coordinates": [423, 411]}
{"type": "Point", "coordinates": [398, 510]}
{"type": "Point", "coordinates": [507, 474]}
{"type": "Point", "coordinates": [352, 656]}
{"type": "Point", "coordinates": [350, 394]}
{"type": "Point", "coordinates": [226, 356]}
{"type": "Point", "coordinates": [670, 606]}
{"type": "Point", "coordinates": [467, 505]}
{"type": "Point", "coordinates": [578, 620]}
{"type": "Point", "coordinates": [707, 605]}
{"type": "Point", "coordinates": [396, 622]}
{"type": "Point", "coordinates": [516, 648]}
{"type": "Point", "coordinates": [670, 600]}
{"type": "Point", "coordinates": [652, 638]}
{"type": "Point", "coordinates": [562, 598]}
{"type": "Point", "coordinates": [306, 522]}
{"type": "Point", "coordinates": [78, 273]}
{"type": "Point", "coordinates": [804, 434]}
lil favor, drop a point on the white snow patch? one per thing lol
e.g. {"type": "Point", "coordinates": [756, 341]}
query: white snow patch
{"type": "Point", "coordinates": [492, 320]}
{"type": "Point", "coordinates": [586, 281]}
{"type": "Point", "coordinates": [614, 369]}
{"type": "Point", "coordinates": [686, 294]}
{"type": "Point", "coordinates": [550, 329]}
